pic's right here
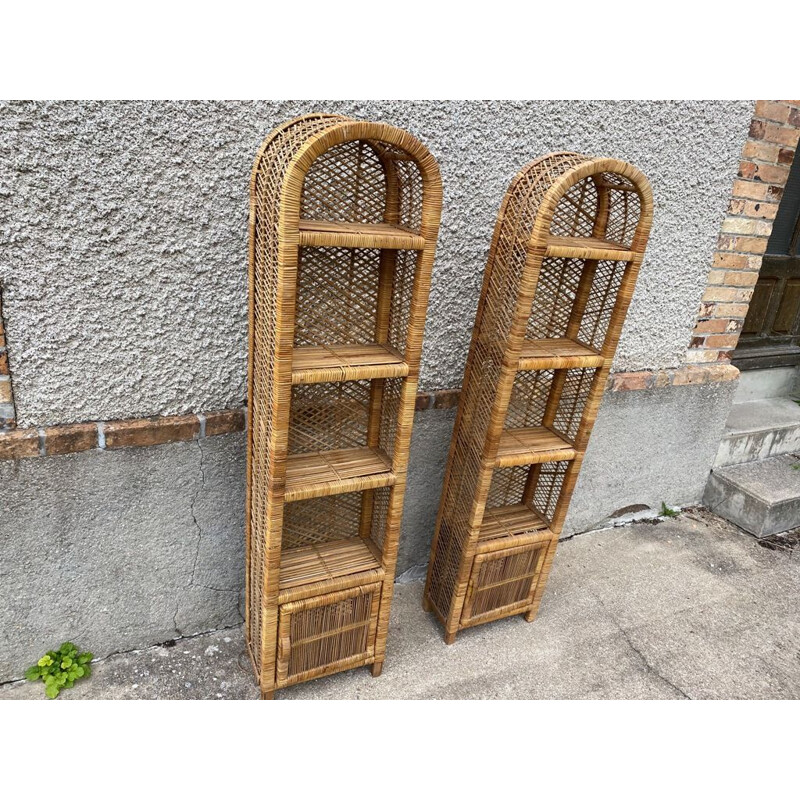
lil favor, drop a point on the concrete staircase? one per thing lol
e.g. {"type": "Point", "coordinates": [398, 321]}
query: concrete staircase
{"type": "Point", "coordinates": [753, 483]}
{"type": "Point", "coordinates": [760, 429]}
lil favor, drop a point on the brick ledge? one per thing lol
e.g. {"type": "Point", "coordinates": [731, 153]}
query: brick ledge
{"type": "Point", "coordinates": [113, 435]}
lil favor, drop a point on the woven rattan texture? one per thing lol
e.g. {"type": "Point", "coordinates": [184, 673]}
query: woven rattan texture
{"type": "Point", "coordinates": [333, 203]}
{"type": "Point", "coordinates": [502, 580]}
{"type": "Point", "coordinates": [586, 210]}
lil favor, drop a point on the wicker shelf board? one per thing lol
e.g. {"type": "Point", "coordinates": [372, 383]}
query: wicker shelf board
{"type": "Point", "coordinates": [588, 248]}
{"type": "Point", "coordinates": [508, 521]}
{"type": "Point", "coordinates": [335, 471]}
{"type": "Point", "coordinates": [346, 362]}
{"type": "Point", "coordinates": [329, 561]}
{"type": "Point", "coordinates": [321, 233]}
{"type": "Point", "coordinates": [519, 446]}
{"type": "Point", "coordinates": [557, 354]}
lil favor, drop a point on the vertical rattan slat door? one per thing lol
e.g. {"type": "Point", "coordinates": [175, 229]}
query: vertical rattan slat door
{"type": "Point", "coordinates": [344, 216]}
{"type": "Point", "coordinates": [567, 248]}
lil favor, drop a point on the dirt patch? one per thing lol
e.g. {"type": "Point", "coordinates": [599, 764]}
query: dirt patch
{"type": "Point", "coordinates": [785, 542]}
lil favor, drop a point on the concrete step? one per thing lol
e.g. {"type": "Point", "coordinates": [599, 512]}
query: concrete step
{"type": "Point", "coordinates": [760, 429]}
{"type": "Point", "coordinates": [762, 497]}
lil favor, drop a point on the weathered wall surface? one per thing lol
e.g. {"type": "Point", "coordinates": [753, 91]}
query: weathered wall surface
{"type": "Point", "coordinates": [120, 549]}
{"type": "Point", "coordinates": [123, 235]}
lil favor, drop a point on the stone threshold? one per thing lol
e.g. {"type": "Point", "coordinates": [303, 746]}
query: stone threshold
{"type": "Point", "coordinates": [58, 440]}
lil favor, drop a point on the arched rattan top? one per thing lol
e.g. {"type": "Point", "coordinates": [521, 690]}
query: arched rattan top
{"type": "Point", "coordinates": [534, 195]}
{"type": "Point", "coordinates": [289, 152]}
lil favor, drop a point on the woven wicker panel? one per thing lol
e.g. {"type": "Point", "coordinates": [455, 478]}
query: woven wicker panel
{"type": "Point", "coordinates": [529, 399]}
{"type": "Point", "coordinates": [321, 519]}
{"type": "Point", "coordinates": [316, 638]}
{"type": "Point", "coordinates": [532, 390]}
{"type": "Point", "coordinates": [555, 295]}
{"type": "Point", "coordinates": [548, 480]}
{"type": "Point", "coordinates": [596, 317]}
{"type": "Point", "coordinates": [337, 296]}
{"type": "Point", "coordinates": [625, 209]}
{"type": "Point", "coordinates": [335, 416]}
{"type": "Point", "coordinates": [266, 280]}
{"type": "Point", "coordinates": [507, 486]}
{"type": "Point", "coordinates": [347, 184]}
{"type": "Point", "coordinates": [503, 580]}
{"type": "Point", "coordinates": [572, 401]}
{"type": "Point", "coordinates": [402, 290]}
{"type": "Point", "coordinates": [409, 179]}
{"type": "Point", "coordinates": [329, 416]}
{"type": "Point", "coordinates": [377, 502]}
{"type": "Point", "coordinates": [576, 212]}
{"type": "Point", "coordinates": [336, 517]}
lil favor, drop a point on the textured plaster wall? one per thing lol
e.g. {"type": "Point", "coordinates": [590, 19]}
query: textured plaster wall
{"type": "Point", "coordinates": [123, 235]}
{"type": "Point", "coordinates": [120, 549]}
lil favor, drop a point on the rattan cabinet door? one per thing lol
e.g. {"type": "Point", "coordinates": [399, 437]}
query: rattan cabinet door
{"type": "Point", "coordinates": [327, 633]}
{"type": "Point", "coordinates": [502, 582]}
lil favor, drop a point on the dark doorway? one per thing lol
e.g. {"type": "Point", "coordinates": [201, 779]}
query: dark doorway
{"type": "Point", "coordinates": [771, 333]}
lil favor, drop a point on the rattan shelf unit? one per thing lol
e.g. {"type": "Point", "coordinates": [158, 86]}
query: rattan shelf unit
{"type": "Point", "coordinates": [344, 216]}
{"type": "Point", "coordinates": [567, 247]}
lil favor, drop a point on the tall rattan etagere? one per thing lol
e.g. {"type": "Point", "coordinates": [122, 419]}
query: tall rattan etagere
{"type": "Point", "coordinates": [344, 216]}
{"type": "Point", "coordinates": [567, 247]}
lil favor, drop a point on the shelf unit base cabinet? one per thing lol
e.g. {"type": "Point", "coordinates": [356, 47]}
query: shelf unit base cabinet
{"type": "Point", "coordinates": [326, 634]}
{"type": "Point", "coordinates": [344, 216]}
{"type": "Point", "coordinates": [504, 582]}
{"type": "Point", "coordinates": [567, 247]}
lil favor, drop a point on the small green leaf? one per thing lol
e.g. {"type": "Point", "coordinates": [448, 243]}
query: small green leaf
{"type": "Point", "coordinates": [79, 672]}
{"type": "Point", "coordinates": [45, 661]}
{"type": "Point", "coordinates": [52, 691]}
{"type": "Point", "coordinates": [66, 663]}
{"type": "Point", "coordinates": [87, 671]}
{"type": "Point", "coordinates": [33, 673]}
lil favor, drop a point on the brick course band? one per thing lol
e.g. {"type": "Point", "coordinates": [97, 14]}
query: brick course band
{"type": "Point", "coordinates": [59, 440]}
{"type": "Point", "coordinates": [63, 439]}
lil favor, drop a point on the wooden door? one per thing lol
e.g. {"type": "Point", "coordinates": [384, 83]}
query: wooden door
{"type": "Point", "coordinates": [771, 333]}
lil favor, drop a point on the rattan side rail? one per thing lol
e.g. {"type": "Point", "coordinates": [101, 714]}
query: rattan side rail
{"type": "Point", "coordinates": [566, 251]}
{"type": "Point", "coordinates": [344, 216]}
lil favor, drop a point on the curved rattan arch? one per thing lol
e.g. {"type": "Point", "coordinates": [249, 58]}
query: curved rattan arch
{"type": "Point", "coordinates": [344, 216]}
{"type": "Point", "coordinates": [553, 302]}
